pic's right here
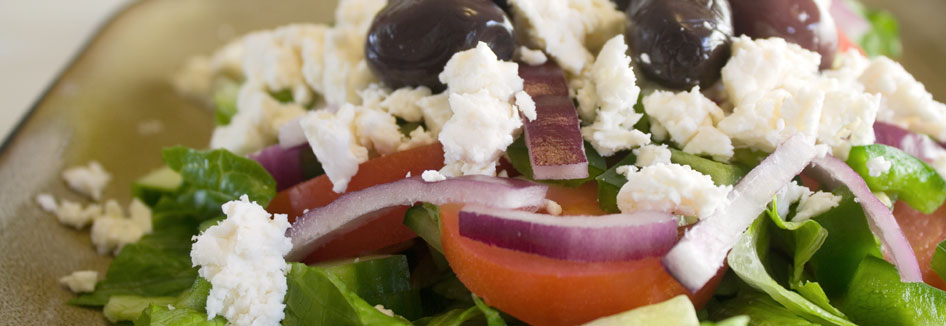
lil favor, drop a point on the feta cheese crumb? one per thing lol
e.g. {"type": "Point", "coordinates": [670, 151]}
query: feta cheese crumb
{"type": "Point", "coordinates": [569, 31]}
{"type": "Point", "coordinates": [552, 207]}
{"type": "Point", "coordinates": [652, 154]}
{"type": "Point", "coordinates": [433, 176]}
{"type": "Point", "coordinates": [112, 230]}
{"type": "Point", "coordinates": [626, 170]}
{"type": "Point", "coordinates": [810, 204]}
{"type": "Point", "coordinates": [711, 141]}
{"type": "Point", "coordinates": [532, 57]}
{"type": "Point", "coordinates": [905, 101]}
{"type": "Point", "coordinates": [88, 180]}
{"type": "Point", "coordinates": [242, 257]}
{"type": "Point", "coordinates": [72, 214]}
{"type": "Point", "coordinates": [47, 202]}
{"type": "Point", "coordinates": [766, 64]}
{"type": "Point", "coordinates": [877, 166]}
{"type": "Point", "coordinates": [688, 119]}
{"type": "Point", "coordinates": [526, 105]}
{"type": "Point", "coordinates": [80, 281]}
{"type": "Point", "coordinates": [611, 79]}
{"type": "Point", "coordinates": [672, 188]}
{"type": "Point", "coordinates": [383, 310]}
{"type": "Point", "coordinates": [483, 122]}
{"type": "Point", "coordinates": [333, 141]}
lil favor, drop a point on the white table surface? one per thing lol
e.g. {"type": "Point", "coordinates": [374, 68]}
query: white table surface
{"type": "Point", "coordinates": [37, 40]}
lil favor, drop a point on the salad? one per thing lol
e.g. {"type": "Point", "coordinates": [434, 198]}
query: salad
{"type": "Point", "coordinates": [475, 162]}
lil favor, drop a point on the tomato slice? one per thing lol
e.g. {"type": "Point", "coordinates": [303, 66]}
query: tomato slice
{"type": "Point", "coordinates": [545, 291]}
{"type": "Point", "coordinates": [924, 231]}
{"type": "Point", "coordinates": [386, 231]}
{"type": "Point", "coordinates": [845, 43]}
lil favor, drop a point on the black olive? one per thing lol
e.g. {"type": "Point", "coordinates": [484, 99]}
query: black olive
{"type": "Point", "coordinates": [680, 43]}
{"type": "Point", "coordinates": [803, 22]}
{"type": "Point", "coordinates": [410, 41]}
{"type": "Point", "coordinates": [622, 4]}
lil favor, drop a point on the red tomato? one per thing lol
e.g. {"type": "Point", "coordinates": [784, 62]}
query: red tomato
{"type": "Point", "coordinates": [545, 291]}
{"type": "Point", "coordinates": [388, 230]}
{"type": "Point", "coordinates": [924, 232]}
{"type": "Point", "coordinates": [845, 43]}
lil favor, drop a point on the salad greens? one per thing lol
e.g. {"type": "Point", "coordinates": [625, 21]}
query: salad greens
{"type": "Point", "coordinates": [518, 154]}
{"type": "Point", "coordinates": [883, 36]}
{"type": "Point", "coordinates": [938, 263]}
{"type": "Point", "coordinates": [909, 178]}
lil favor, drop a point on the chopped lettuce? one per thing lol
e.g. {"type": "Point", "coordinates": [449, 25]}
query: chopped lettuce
{"type": "Point", "coordinates": [225, 95]}
{"type": "Point", "coordinates": [479, 312]}
{"type": "Point", "coordinates": [129, 307]}
{"type": "Point", "coordinates": [318, 297]}
{"type": "Point", "coordinates": [424, 219]}
{"type": "Point", "coordinates": [751, 254]}
{"type": "Point", "coordinates": [159, 264]}
{"type": "Point", "coordinates": [883, 36]}
{"type": "Point", "coordinates": [878, 297]}
{"type": "Point", "coordinates": [163, 315]}
{"type": "Point", "coordinates": [383, 280]}
{"type": "Point", "coordinates": [759, 308]}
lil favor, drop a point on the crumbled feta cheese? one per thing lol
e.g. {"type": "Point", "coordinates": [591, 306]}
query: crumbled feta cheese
{"type": "Point", "coordinates": [552, 207]}
{"type": "Point", "coordinates": [484, 122]}
{"type": "Point", "coordinates": [88, 180]}
{"type": "Point", "coordinates": [402, 103]}
{"type": "Point", "coordinates": [847, 119]}
{"type": "Point", "coordinates": [479, 69]}
{"type": "Point", "coordinates": [113, 230]}
{"type": "Point", "coordinates": [766, 64]}
{"type": "Point", "coordinates": [615, 93]}
{"type": "Point", "coordinates": [242, 257]}
{"type": "Point", "coordinates": [672, 188]}
{"type": "Point", "coordinates": [257, 121]}
{"type": "Point", "coordinates": [688, 118]}
{"type": "Point", "coordinates": [344, 71]}
{"type": "Point", "coordinates": [383, 310]}
{"type": "Point", "coordinates": [710, 141]}
{"type": "Point", "coordinates": [532, 57]}
{"type": "Point", "coordinates": [526, 105]}
{"type": "Point", "coordinates": [272, 58]}
{"type": "Point", "coordinates": [626, 170]}
{"type": "Point", "coordinates": [436, 109]}
{"type": "Point", "coordinates": [877, 166]}
{"type": "Point", "coordinates": [334, 143]}
{"type": "Point", "coordinates": [652, 154]}
{"type": "Point", "coordinates": [378, 130]}
{"type": "Point", "coordinates": [905, 101]}
{"type": "Point", "coordinates": [417, 138]}
{"type": "Point", "coordinates": [47, 202]}
{"type": "Point", "coordinates": [195, 79]}
{"type": "Point", "coordinates": [569, 31]}
{"type": "Point", "coordinates": [884, 199]}
{"type": "Point", "coordinates": [72, 214]}
{"type": "Point", "coordinates": [80, 281]}
{"type": "Point", "coordinates": [810, 204]}
{"type": "Point", "coordinates": [502, 174]}
{"type": "Point", "coordinates": [433, 176]}
{"type": "Point", "coordinates": [766, 118]}
{"type": "Point", "coordinates": [477, 134]}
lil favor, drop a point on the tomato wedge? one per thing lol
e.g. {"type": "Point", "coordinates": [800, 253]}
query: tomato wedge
{"type": "Point", "coordinates": [388, 230]}
{"type": "Point", "coordinates": [545, 291]}
{"type": "Point", "coordinates": [924, 231]}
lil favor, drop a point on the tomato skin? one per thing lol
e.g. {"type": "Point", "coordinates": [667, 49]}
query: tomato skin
{"type": "Point", "coordinates": [545, 291]}
{"type": "Point", "coordinates": [845, 43]}
{"type": "Point", "coordinates": [386, 231]}
{"type": "Point", "coordinates": [925, 232]}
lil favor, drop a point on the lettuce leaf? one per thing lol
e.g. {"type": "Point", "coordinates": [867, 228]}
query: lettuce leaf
{"type": "Point", "coordinates": [759, 308]}
{"type": "Point", "coordinates": [938, 263]}
{"type": "Point", "coordinates": [159, 264]}
{"type": "Point", "coordinates": [158, 315]}
{"type": "Point", "coordinates": [317, 297]}
{"type": "Point", "coordinates": [479, 312]}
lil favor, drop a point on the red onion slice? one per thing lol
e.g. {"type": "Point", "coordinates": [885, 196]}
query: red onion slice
{"type": "Point", "coordinates": [921, 146]}
{"type": "Point", "coordinates": [355, 209]}
{"type": "Point", "coordinates": [556, 149]}
{"type": "Point", "coordinates": [698, 256]}
{"type": "Point", "coordinates": [284, 164]}
{"type": "Point", "coordinates": [617, 237]}
{"type": "Point", "coordinates": [832, 173]}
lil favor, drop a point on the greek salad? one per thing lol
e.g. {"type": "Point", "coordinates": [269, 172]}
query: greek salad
{"type": "Point", "coordinates": [566, 162]}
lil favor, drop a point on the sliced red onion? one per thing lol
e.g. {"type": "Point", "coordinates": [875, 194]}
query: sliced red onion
{"type": "Point", "coordinates": [617, 237]}
{"type": "Point", "coordinates": [556, 149]}
{"type": "Point", "coordinates": [355, 209]}
{"type": "Point", "coordinates": [832, 173]}
{"type": "Point", "coordinates": [921, 146]}
{"type": "Point", "coordinates": [284, 164]}
{"type": "Point", "coordinates": [290, 134]}
{"type": "Point", "coordinates": [852, 23]}
{"type": "Point", "coordinates": [698, 256]}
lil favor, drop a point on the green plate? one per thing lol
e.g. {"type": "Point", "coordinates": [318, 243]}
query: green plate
{"type": "Point", "coordinates": [120, 81]}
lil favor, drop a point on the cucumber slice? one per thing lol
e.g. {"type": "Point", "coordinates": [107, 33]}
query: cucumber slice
{"type": "Point", "coordinates": [676, 311]}
{"type": "Point", "coordinates": [155, 184]}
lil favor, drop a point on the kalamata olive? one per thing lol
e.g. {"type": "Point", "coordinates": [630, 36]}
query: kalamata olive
{"type": "Point", "coordinates": [622, 4]}
{"type": "Point", "coordinates": [680, 43]}
{"type": "Point", "coordinates": [803, 22]}
{"type": "Point", "coordinates": [410, 41]}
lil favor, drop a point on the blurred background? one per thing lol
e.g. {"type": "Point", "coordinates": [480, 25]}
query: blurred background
{"type": "Point", "coordinates": [39, 37]}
